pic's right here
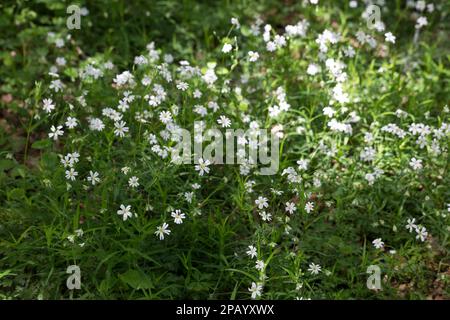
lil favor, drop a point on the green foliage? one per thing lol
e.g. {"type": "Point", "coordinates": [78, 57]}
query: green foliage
{"type": "Point", "coordinates": [355, 202]}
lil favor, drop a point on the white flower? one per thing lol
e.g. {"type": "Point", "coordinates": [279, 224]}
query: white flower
{"type": "Point", "coordinates": [349, 52]}
{"type": "Point", "coordinates": [368, 154]}
{"type": "Point", "coordinates": [317, 183]}
{"type": "Point", "coordinates": [213, 105]}
{"type": "Point", "coordinates": [280, 41]}
{"type": "Point", "coordinates": [79, 232]}
{"type": "Point", "coordinates": [48, 105]}
{"type": "Point", "coordinates": [261, 202]}
{"type": "Point", "coordinates": [271, 46]}
{"type": "Point", "coordinates": [125, 212]}
{"type": "Point", "coordinates": [309, 206]}
{"type": "Point", "coordinates": [313, 69]}
{"type": "Point", "coordinates": [377, 243]}
{"type": "Point", "coordinates": [422, 21]}
{"type": "Point", "coordinates": [411, 225]}
{"type": "Point", "coordinates": [255, 290]}
{"type": "Point", "coordinates": [71, 122]}
{"type": "Point", "coordinates": [197, 94]}
{"type": "Point", "coordinates": [253, 56]}
{"type": "Point", "coordinates": [420, 5]}
{"type": "Point", "coordinates": [370, 177]}
{"type": "Point", "coordinates": [314, 268]}
{"type": "Point", "coordinates": [123, 105]}
{"type": "Point", "coordinates": [133, 182]}
{"type": "Point", "coordinates": [389, 37]}
{"type": "Point", "coordinates": [227, 48]}
{"type": "Point", "coordinates": [66, 162]}
{"type": "Point", "coordinates": [55, 132]}
{"type": "Point", "coordinates": [162, 230]}
{"type": "Point", "coordinates": [96, 124]}
{"type": "Point", "coordinates": [303, 164]}
{"type": "Point", "coordinates": [178, 216]}
{"type": "Point", "coordinates": [201, 110]}
{"type": "Point", "coordinates": [235, 22]}
{"type": "Point", "coordinates": [61, 61]}
{"type": "Point", "coordinates": [379, 26]}
{"type": "Point", "coordinates": [165, 117]}
{"type": "Point", "coordinates": [368, 137]}
{"type": "Point", "coordinates": [340, 95]}
{"type": "Point", "coordinates": [265, 216]}
{"type": "Point", "coordinates": [329, 112]}
{"type": "Point", "coordinates": [251, 252]}
{"type": "Point", "coordinates": [93, 177]}
{"type": "Point", "coordinates": [74, 156]}
{"type": "Point", "coordinates": [183, 86]}
{"type": "Point", "coordinates": [421, 233]}
{"type": "Point", "coordinates": [125, 170]}
{"type": "Point", "coordinates": [260, 265]}
{"type": "Point", "coordinates": [140, 60]}
{"type": "Point", "coordinates": [202, 166]}
{"type": "Point", "coordinates": [124, 78]}
{"type": "Point", "coordinates": [168, 58]}
{"type": "Point", "coordinates": [71, 174]}
{"type": "Point", "coordinates": [59, 43]}
{"type": "Point", "coordinates": [290, 207]}
{"type": "Point", "coordinates": [120, 129]}
{"type": "Point", "coordinates": [188, 196]}
{"type": "Point", "coordinates": [416, 164]}
{"type": "Point", "coordinates": [71, 238]}
{"type": "Point", "coordinates": [146, 80]}
{"type": "Point", "coordinates": [210, 76]}
{"type": "Point", "coordinates": [224, 121]}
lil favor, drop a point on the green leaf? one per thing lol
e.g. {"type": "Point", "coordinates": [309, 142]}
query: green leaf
{"type": "Point", "coordinates": [136, 279]}
{"type": "Point", "coordinates": [243, 106]}
{"type": "Point", "coordinates": [222, 71]}
{"type": "Point", "coordinates": [71, 72]}
{"type": "Point", "coordinates": [6, 273]}
{"type": "Point", "coordinates": [41, 144]}
{"type": "Point", "coordinates": [49, 160]}
{"type": "Point", "coordinates": [211, 65]}
{"type": "Point", "coordinates": [19, 171]}
{"type": "Point", "coordinates": [6, 164]}
{"type": "Point", "coordinates": [16, 194]}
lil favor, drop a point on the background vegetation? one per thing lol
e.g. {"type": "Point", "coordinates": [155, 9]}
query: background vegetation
{"type": "Point", "coordinates": [205, 257]}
